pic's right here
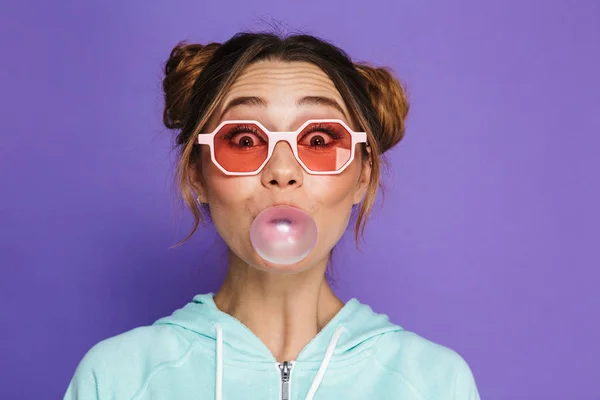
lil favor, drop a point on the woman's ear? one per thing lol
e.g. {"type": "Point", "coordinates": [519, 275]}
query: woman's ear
{"type": "Point", "coordinates": [198, 183]}
{"type": "Point", "coordinates": [364, 178]}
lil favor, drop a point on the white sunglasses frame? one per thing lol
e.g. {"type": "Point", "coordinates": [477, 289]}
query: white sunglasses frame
{"type": "Point", "coordinates": [276, 137]}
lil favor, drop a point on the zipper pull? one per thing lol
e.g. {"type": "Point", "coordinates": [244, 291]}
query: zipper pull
{"type": "Point", "coordinates": [285, 368]}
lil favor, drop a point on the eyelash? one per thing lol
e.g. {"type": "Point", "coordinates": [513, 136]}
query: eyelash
{"type": "Point", "coordinates": [322, 128]}
{"type": "Point", "coordinates": [315, 128]}
{"type": "Point", "coordinates": [239, 129]}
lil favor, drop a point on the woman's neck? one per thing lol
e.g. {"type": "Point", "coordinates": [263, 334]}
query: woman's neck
{"type": "Point", "coordinates": [285, 311]}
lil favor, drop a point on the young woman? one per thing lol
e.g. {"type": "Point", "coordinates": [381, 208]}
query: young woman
{"type": "Point", "coordinates": [273, 330]}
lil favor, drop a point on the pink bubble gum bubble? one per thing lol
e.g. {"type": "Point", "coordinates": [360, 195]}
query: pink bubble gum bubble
{"type": "Point", "coordinates": [283, 235]}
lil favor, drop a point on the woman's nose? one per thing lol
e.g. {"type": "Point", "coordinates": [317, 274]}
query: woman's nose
{"type": "Point", "coordinates": [282, 170]}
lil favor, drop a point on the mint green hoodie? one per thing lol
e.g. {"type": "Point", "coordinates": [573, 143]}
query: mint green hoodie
{"type": "Point", "coordinates": [200, 352]}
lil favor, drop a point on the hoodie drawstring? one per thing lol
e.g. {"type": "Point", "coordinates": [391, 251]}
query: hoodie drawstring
{"type": "Point", "coordinates": [316, 381]}
{"type": "Point", "coordinates": [324, 363]}
{"type": "Point", "coordinates": [219, 382]}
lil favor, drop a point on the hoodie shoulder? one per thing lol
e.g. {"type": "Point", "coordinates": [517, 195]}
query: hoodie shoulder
{"type": "Point", "coordinates": [434, 371]}
{"type": "Point", "coordinates": [121, 364]}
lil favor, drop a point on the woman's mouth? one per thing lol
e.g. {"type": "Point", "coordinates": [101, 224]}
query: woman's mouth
{"type": "Point", "coordinates": [281, 221]}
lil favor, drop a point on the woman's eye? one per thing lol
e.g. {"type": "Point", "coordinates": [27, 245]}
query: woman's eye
{"type": "Point", "coordinates": [316, 139]}
{"type": "Point", "coordinates": [246, 139]}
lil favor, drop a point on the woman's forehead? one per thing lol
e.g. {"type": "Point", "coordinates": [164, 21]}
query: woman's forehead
{"type": "Point", "coordinates": [283, 70]}
{"type": "Point", "coordinates": [279, 78]}
{"type": "Point", "coordinates": [278, 84]}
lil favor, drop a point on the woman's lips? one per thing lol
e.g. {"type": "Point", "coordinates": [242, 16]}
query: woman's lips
{"type": "Point", "coordinates": [281, 220]}
{"type": "Point", "coordinates": [280, 205]}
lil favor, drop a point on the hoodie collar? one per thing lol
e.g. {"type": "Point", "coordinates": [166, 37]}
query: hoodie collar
{"type": "Point", "coordinates": [359, 321]}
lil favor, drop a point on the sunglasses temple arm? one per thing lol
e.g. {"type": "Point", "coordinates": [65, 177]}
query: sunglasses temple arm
{"type": "Point", "coordinates": [361, 137]}
{"type": "Point", "coordinates": [204, 139]}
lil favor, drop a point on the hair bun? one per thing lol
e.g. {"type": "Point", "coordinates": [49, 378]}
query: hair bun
{"type": "Point", "coordinates": [181, 70]}
{"type": "Point", "coordinates": [390, 100]}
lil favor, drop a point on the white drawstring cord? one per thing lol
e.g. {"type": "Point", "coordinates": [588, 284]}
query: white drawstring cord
{"type": "Point", "coordinates": [316, 382]}
{"type": "Point", "coordinates": [219, 382]}
{"type": "Point", "coordinates": [324, 363]}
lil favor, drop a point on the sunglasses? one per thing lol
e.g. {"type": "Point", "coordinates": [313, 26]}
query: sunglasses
{"type": "Point", "coordinates": [243, 147]}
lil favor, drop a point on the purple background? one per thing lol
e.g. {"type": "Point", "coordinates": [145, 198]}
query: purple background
{"type": "Point", "coordinates": [488, 239]}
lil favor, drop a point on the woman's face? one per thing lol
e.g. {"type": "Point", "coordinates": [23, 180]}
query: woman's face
{"type": "Point", "coordinates": [235, 201]}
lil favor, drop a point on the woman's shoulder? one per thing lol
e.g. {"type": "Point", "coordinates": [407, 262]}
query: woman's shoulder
{"type": "Point", "coordinates": [123, 362]}
{"type": "Point", "coordinates": [430, 367]}
{"type": "Point", "coordinates": [411, 345]}
{"type": "Point", "coordinates": [162, 340]}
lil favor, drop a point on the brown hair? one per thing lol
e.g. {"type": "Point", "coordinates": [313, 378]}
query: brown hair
{"type": "Point", "coordinates": [198, 76]}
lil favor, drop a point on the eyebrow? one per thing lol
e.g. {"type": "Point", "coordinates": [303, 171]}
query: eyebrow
{"type": "Point", "coordinates": [260, 102]}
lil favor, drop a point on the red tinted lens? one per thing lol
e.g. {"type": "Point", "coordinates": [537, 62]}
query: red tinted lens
{"type": "Point", "coordinates": [241, 147]}
{"type": "Point", "coordinates": [324, 146]}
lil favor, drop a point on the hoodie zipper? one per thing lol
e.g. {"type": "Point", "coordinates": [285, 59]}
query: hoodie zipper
{"type": "Point", "coordinates": [286, 369]}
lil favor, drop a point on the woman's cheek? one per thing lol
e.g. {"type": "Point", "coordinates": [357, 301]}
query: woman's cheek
{"type": "Point", "coordinates": [232, 190]}
{"type": "Point", "coordinates": [329, 190]}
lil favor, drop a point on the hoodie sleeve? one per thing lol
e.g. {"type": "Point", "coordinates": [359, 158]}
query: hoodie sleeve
{"type": "Point", "coordinates": [464, 382]}
{"type": "Point", "coordinates": [84, 385]}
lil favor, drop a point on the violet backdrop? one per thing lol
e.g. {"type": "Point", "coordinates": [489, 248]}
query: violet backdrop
{"type": "Point", "coordinates": [487, 241]}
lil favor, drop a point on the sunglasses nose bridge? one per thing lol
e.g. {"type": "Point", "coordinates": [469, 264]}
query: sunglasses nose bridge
{"type": "Point", "coordinates": [289, 137]}
{"type": "Point", "coordinates": [284, 138]}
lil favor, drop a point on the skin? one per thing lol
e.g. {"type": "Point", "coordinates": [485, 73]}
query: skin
{"type": "Point", "coordinates": [284, 306]}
